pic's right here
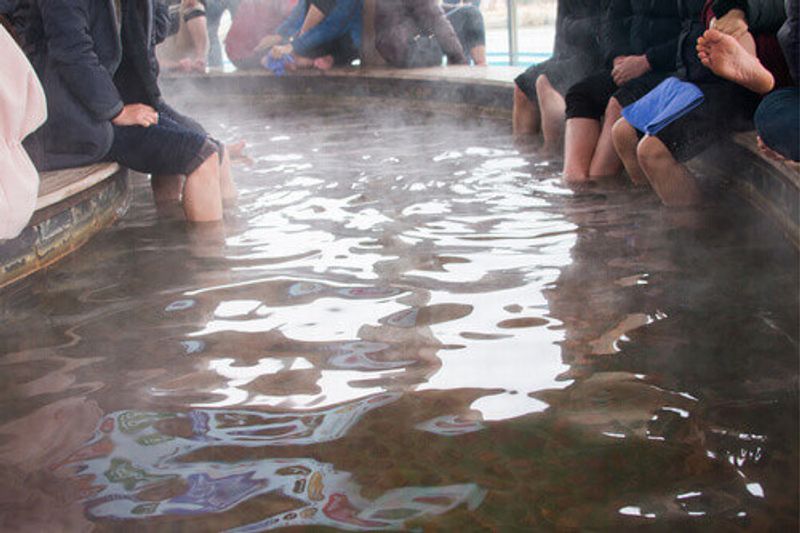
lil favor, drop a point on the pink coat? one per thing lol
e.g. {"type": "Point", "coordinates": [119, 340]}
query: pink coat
{"type": "Point", "coordinates": [22, 110]}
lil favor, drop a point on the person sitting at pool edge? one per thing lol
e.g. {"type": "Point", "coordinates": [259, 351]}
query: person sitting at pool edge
{"type": "Point", "coordinates": [320, 34]}
{"type": "Point", "coordinates": [728, 104]}
{"type": "Point", "coordinates": [640, 43]}
{"type": "Point", "coordinates": [252, 30]}
{"type": "Point", "coordinates": [415, 33]}
{"type": "Point", "coordinates": [95, 61]}
{"type": "Point", "coordinates": [187, 44]}
{"type": "Point", "coordinates": [539, 91]}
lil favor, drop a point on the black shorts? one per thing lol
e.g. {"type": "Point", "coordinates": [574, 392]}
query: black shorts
{"type": "Point", "coordinates": [727, 107]}
{"type": "Point", "coordinates": [166, 148]}
{"type": "Point", "coordinates": [562, 73]}
{"type": "Point", "coordinates": [589, 97]}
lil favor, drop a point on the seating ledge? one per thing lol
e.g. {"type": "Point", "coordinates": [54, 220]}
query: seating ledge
{"type": "Point", "coordinates": [58, 185]}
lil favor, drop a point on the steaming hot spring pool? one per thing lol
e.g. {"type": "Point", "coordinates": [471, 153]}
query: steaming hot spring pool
{"type": "Point", "coordinates": [408, 323]}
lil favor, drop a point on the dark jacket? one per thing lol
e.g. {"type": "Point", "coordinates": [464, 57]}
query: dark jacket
{"type": "Point", "coordinates": [577, 27]}
{"type": "Point", "coordinates": [397, 22]}
{"type": "Point", "coordinates": [78, 55]}
{"type": "Point", "coordinates": [687, 64]}
{"type": "Point", "coordinates": [649, 27]}
{"type": "Point", "coordinates": [79, 52]}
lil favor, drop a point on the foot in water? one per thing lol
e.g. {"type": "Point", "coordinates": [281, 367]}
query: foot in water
{"type": "Point", "coordinates": [728, 59]}
{"type": "Point", "coordinates": [236, 149]}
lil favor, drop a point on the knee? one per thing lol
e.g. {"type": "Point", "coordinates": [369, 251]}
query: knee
{"type": "Point", "coordinates": [651, 151]}
{"type": "Point", "coordinates": [623, 134]}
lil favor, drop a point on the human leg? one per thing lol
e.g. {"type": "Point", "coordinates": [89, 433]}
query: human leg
{"type": "Point", "coordinates": [168, 151]}
{"type": "Point", "coordinates": [467, 21]}
{"type": "Point", "coordinates": [605, 161]}
{"type": "Point", "coordinates": [202, 197]}
{"type": "Point", "coordinates": [580, 140]}
{"type": "Point", "coordinates": [626, 141]}
{"type": "Point", "coordinates": [525, 116]}
{"type": "Point", "coordinates": [553, 109]}
{"type": "Point", "coordinates": [586, 102]}
{"type": "Point", "coordinates": [671, 180]}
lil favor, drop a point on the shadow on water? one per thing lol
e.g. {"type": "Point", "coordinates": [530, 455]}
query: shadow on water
{"type": "Point", "coordinates": [405, 323]}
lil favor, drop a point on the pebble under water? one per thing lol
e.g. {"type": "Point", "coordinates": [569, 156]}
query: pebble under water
{"type": "Point", "coordinates": [408, 322]}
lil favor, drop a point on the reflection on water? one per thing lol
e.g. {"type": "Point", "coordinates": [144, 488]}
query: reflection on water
{"type": "Point", "coordinates": [406, 323]}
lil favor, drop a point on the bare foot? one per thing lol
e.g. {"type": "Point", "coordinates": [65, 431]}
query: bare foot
{"type": "Point", "coordinates": [236, 149]}
{"type": "Point", "coordinates": [728, 59]}
{"type": "Point", "coordinates": [323, 63]}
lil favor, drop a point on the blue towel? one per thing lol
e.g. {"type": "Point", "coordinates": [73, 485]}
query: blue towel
{"type": "Point", "coordinates": [277, 66]}
{"type": "Point", "coordinates": [662, 106]}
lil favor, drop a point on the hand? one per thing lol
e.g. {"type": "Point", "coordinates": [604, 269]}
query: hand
{"type": "Point", "coordinates": [618, 60]}
{"type": "Point", "coordinates": [629, 68]}
{"type": "Point", "coordinates": [268, 42]}
{"type": "Point", "coordinates": [281, 50]}
{"type": "Point", "coordinates": [734, 23]}
{"type": "Point", "coordinates": [136, 115]}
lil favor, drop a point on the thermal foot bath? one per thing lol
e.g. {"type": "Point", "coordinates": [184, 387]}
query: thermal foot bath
{"type": "Point", "coordinates": [407, 322]}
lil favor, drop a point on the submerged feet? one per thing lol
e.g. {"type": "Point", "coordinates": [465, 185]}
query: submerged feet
{"type": "Point", "coordinates": [726, 58]}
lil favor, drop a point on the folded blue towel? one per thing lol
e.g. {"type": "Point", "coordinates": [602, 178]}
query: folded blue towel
{"type": "Point", "coordinates": [662, 106]}
{"type": "Point", "coordinates": [277, 65]}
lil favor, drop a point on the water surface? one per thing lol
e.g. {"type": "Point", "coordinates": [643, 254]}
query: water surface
{"type": "Point", "coordinates": [407, 323]}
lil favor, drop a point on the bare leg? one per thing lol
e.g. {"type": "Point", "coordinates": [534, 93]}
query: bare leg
{"type": "Point", "coordinates": [580, 139]}
{"type": "Point", "coordinates": [313, 18]}
{"type": "Point", "coordinates": [227, 185]}
{"type": "Point", "coordinates": [605, 162]}
{"type": "Point", "coordinates": [202, 198]}
{"type": "Point", "coordinates": [626, 141]}
{"type": "Point", "coordinates": [166, 188]}
{"type": "Point", "coordinates": [553, 107]}
{"type": "Point", "coordinates": [671, 180]}
{"type": "Point", "coordinates": [199, 34]}
{"type": "Point", "coordinates": [525, 115]}
{"type": "Point", "coordinates": [478, 54]}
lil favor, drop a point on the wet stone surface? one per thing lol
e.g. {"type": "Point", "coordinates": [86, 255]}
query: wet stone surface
{"type": "Point", "coordinates": [406, 323]}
